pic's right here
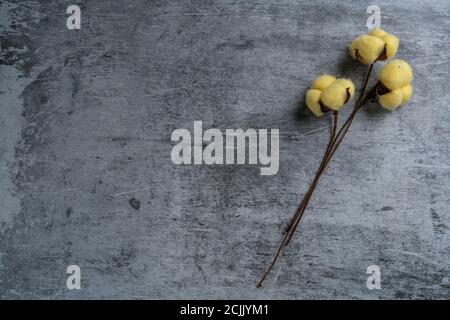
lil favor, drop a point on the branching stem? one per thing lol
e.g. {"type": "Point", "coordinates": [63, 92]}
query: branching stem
{"type": "Point", "coordinates": [333, 144]}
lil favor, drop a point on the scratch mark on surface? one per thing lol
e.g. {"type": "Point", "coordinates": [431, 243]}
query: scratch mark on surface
{"type": "Point", "coordinates": [313, 131]}
{"type": "Point", "coordinates": [418, 256]}
{"type": "Point", "coordinates": [130, 191]}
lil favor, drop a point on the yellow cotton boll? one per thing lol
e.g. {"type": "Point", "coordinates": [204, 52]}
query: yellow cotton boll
{"type": "Point", "coordinates": [312, 102]}
{"type": "Point", "coordinates": [366, 48]}
{"type": "Point", "coordinates": [396, 74]}
{"type": "Point", "coordinates": [392, 43]}
{"type": "Point", "coordinates": [369, 49]}
{"type": "Point", "coordinates": [391, 100]}
{"type": "Point", "coordinates": [323, 81]}
{"type": "Point", "coordinates": [334, 96]}
{"type": "Point", "coordinates": [407, 92]}
{"type": "Point", "coordinates": [377, 32]}
{"type": "Point", "coordinates": [347, 83]}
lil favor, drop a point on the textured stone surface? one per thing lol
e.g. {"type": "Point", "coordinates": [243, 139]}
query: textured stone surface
{"type": "Point", "coordinates": [85, 124]}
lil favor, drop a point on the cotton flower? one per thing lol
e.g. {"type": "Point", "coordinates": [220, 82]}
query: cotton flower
{"type": "Point", "coordinates": [393, 89]}
{"type": "Point", "coordinates": [396, 74]}
{"type": "Point", "coordinates": [395, 84]}
{"type": "Point", "coordinates": [328, 93]}
{"type": "Point", "coordinates": [334, 96]}
{"type": "Point", "coordinates": [376, 45]}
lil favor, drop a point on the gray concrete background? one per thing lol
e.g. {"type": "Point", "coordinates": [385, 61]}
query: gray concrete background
{"type": "Point", "coordinates": [85, 124]}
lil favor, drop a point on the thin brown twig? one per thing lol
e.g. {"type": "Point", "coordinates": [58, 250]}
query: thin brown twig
{"type": "Point", "coordinates": [335, 144]}
{"type": "Point", "coordinates": [328, 149]}
{"type": "Point", "coordinates": [313, 185]}
{"type": "Point", "coordinates": [335, 141]}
